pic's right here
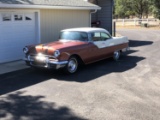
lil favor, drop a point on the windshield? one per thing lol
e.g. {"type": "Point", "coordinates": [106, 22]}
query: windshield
{"type": "Point", "coordinates": [73, 35]}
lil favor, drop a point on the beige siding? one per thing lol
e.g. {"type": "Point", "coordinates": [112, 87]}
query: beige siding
{"type": "Point", "coordinates": [52, 21]}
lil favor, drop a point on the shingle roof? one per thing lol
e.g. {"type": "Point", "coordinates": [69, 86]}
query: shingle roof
{"type": "Point", "coordinates": [68, 3]}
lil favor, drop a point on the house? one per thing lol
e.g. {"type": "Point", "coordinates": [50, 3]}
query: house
{"type": "Point", "coordinates": [105, 15]}
{"type": "Point", "coordinates": [24, 22]}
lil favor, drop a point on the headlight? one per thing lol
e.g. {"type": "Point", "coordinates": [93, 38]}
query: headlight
{"type": "Point", "coordinates": [56, 53]}
{"type": "Point", "coordinates": [25, 50]}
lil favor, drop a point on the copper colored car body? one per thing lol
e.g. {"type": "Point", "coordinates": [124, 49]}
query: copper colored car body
{"type": "Point", "coordinates": [75, 46]}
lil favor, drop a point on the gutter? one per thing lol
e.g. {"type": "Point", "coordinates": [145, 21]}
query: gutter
{"type": "Point", "coordinates": [92, 12]}
{"type": "Point", "coordinates": [49, 7]}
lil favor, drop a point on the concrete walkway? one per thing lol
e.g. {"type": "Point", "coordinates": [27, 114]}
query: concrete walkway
{"type": "Point", "coordinates": [12, 66]}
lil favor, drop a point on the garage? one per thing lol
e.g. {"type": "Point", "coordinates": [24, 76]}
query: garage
{"type": "Point", "coordinates": [17, 29]}
{"type": "Point", "coordinates": [26, 22]}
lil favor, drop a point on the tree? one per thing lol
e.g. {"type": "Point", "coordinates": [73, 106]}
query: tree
{"type": "Point", "coordinates": [141, 7]}
{"type": "Point", "coordinates": [156, 8]}
{"type": "Point", "coordinates": [125, 8]}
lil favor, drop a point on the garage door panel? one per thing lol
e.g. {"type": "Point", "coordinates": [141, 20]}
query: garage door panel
{"type": "Point", "coordinates": [9, 55]}
{"type": "Point", "coordinates": [16, 33]}
{"type": "Point", "coordinates": [6, 31]}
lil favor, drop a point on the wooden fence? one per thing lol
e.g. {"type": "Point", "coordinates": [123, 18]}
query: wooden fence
{"type": "Point", "coordinates": [137, 22]}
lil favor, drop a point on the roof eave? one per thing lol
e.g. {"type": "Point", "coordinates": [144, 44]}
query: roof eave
{"type": "Point", "coordinates": [49, 7]}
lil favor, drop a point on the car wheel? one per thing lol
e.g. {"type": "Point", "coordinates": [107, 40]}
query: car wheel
{"type": "Point", "coordinates": [116, 55]}
{"type": "Point", "coordinates": [72, 65]}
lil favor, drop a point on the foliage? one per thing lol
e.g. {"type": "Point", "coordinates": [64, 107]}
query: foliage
{"type": "Point", "coordinates": [122, 8]}
{"type": "Point", "coordinates": [139, 8]}
{"type": "Point", "coordinates": [156, 8]}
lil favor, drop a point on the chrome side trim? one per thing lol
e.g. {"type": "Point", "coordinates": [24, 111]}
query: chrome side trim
{"type": "Point", "coordinates": [116, 44]}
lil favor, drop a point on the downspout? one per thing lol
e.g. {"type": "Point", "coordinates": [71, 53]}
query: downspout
{"type": "Point", "coordinates": [92, 12]}
{"type": "Point", "coordinates": [113, 28]}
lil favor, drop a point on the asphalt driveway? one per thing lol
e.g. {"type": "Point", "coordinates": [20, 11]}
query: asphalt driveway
{"type": "Point", "coordinates": [128, 89]}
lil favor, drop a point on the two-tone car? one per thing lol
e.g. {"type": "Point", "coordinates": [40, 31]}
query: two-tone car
{"type": "Point", "coordinates": [76, 46]}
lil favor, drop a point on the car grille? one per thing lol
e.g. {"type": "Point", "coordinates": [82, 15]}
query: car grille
{"type": "Point", "coordinates": [35, 62]}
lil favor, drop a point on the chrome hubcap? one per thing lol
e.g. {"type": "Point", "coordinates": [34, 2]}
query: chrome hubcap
{"type": "Point", "coordinates": [72, 65]}
{"type": "Point", "coordinates": [116, 55]}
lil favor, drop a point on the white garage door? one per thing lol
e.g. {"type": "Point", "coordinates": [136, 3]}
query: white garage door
{"type": "Point", "coordinates": [16, 31]}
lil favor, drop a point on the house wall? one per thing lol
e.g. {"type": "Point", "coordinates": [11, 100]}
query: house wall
{"type": "Point", "coordinates": [52, 21]}
{"type": "Point", "coordinates": [105, 14]}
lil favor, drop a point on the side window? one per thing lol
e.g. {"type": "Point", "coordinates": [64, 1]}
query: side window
{"type": "Point", "coordinates": [105, 36]}
{"type": "Point", "coordinates": [96, 36]}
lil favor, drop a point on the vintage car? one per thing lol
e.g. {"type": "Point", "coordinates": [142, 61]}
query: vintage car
{"type": "Point", "coordinates": [74, 47]}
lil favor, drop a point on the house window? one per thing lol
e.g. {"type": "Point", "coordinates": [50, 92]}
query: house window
{"type": "Point", "coordinates": [18, 17]}
{"type": "Point", "coordinates": [28, 17]}
{"type": "Point", "coordinates": [6, 17]}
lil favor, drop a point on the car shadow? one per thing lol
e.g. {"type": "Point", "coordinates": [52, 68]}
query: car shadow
{"type": "Point", "coordinates": [23, 78]}
{"type": "Point", "coordinates": [98, 69]}
{"type": "Point", "coordinates": [18, 106]}
{"type": "Point", "coordinates": [137, 43]}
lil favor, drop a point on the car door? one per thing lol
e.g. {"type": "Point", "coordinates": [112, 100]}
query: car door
{"type": "Point", "coordinates": [97, 41]}
{"type": "Point", "coordinates": [104, 43]}
{"type": "Point", "coordinates": [109, 44]}
{"type": "Point", "coordinates": [100, 44]}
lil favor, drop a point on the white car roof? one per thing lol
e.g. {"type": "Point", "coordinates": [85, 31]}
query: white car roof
{"type": "Point", "coordinates": [86, 29]}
